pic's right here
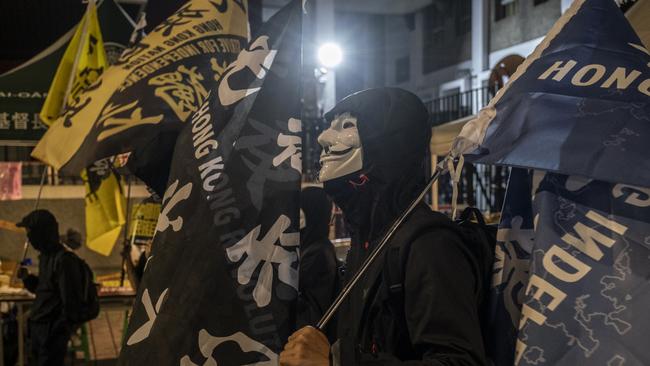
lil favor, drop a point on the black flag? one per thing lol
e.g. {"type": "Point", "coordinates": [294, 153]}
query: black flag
{"type": "Point", "coordinates": [221, 284]}
{"type": "Point", "coordinates": [147, 97]}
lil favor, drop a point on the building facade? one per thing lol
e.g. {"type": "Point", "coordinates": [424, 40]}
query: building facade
{"type": "Point", "coordinates": [452, 46]}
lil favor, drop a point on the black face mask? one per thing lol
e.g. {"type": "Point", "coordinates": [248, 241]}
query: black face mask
{"type": "Point", "coordinates": [38, 239]}
{"type": "Point", "coordinates": [42, 231]}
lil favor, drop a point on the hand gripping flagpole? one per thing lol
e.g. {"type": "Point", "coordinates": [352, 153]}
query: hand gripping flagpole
{"type": "Point", "coordinates": [374, 254]}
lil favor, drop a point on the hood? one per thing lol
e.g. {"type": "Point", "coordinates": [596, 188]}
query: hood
{"type": "Point", "coordinates": [317, 209]}
{"type": "Point", "coordinates": [42, 230]}
{"type": "Point", "coordinates": [394, 129]}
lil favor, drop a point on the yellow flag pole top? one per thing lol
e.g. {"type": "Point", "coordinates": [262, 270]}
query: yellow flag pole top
{"type": "Point", "coordinates": [82, 63]}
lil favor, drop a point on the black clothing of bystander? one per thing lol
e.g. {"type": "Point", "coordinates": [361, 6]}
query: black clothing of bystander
{"type": "Point", "coordinates": [58, 289]}
{"type": "Point", "coordinates": [318, 265]}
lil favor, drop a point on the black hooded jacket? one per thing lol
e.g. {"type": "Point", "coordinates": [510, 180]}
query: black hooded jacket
{"type": "Point", "coordinates": [58, 286]}
{"type": "Point", "coordinates": [318, 264]}
{"type": "Point", "coordinates": [439, 324]}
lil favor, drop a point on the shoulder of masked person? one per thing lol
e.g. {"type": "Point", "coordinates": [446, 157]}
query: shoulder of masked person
{"type": "Point", "coordinates": [439, 299]}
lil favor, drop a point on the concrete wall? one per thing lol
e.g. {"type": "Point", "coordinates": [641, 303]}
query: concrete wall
{"type": "Point", "coordinates": [67, 205]}
{"type": "Point", "coordinates": [529, 22]}
{"type": "Point", "coordinates": [398, 45]}
{"type": "Point", "coordinates": [517, 34]}
{"type": "Point", "coordinates": [69, 214]}
{"type": "Point", "coordinates": [453, 41]}
{"type": "Point", "coordinates": [362, 39]}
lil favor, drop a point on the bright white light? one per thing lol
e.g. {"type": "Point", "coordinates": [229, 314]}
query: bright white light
{"type": "Point", "coordinates": [330, 55]}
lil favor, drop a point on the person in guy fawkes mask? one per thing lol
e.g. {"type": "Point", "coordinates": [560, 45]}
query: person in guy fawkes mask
{"type": "Point", "coordinates": [58, 289]}
{"type": "Point", "coordinates": [318, 264]}
{"type": "Point", "coordinates": [373, 166]}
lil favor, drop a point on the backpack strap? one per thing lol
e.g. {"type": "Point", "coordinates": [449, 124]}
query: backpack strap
{"type": "Point", "coordinates": [394, 271]}
{"type": "Point", "coordinates": [467, 214]}
{"type": "Point", "coordinates": [397, 256]}
{"type": "Point", "coordinates": [58, 257]}
{"type": "Point", "coordinates": [82, 266]}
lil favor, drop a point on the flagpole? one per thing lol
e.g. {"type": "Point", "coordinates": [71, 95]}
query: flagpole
{"type": "Point", "coordinates": [77, 57]}
{"type": "Point", "coordinates": [126, 230]}
{"type": "Point", "coordinates": [26, 245]}
{"type": "Point", "coordinates": [374, 254]}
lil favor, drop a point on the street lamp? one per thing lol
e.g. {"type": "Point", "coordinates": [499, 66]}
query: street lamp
{"type": "Point", "coordinates": [330, 55]}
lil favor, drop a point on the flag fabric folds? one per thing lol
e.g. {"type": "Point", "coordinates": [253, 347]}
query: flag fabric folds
{"type": "Point", "coordinates": [511, 266]}
{"type": "Point", "coordinates": [571, 268]}
{"type": "Point", "coordinates": [221, 283]}
{"type": "Point", "coordinates": [82, 63]}
{"type": "Point", "coordinates": [151, 90]}
{"type": "Point", "coordinates": [579, 104]}
{"type": "Point", "coordinates": [23, 89]}
{"type": "Point", "coordinates": [577, 282]}
{"type": "Point", "coordinates": [105, 206]}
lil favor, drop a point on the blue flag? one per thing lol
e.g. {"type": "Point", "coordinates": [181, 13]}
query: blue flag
{"type": "Point", "coordinates": [578, 105]}
{"type": "Point", "coordinates": [511, 266]}
{"type": "Point", "coordinates": [587, 294]}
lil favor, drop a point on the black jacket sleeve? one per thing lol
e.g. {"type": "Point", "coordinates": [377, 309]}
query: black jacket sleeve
{"type": "Point", "coordinates": [31, 283]}
{"type": "Point", "coordinates": [70, 279]}
{"type": "Point", "coordinates": [441, 290]}
{"type": "Point", "coordinates": [318, 269]}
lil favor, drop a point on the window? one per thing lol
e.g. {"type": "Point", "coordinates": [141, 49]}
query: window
{"type": "Point", "coordinates": [463, 17]}
{"type": "Point", "coordinates": [504, 8]}
{"type": "Point", "coordinates": [434, 27]}
{"type": "Point", "coordinates": [402, 69]}
{"type": "Point", "coordinates": [537, 2]}
{"type": "Point", "coordinates": [446, 34]}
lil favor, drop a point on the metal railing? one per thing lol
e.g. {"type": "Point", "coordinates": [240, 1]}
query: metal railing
{"type": "Point", "coordinates": [32, 171]}
{"type": "Point", "coordinates": [481, 186]}
{"type": "Point", "coordinates": [452, 107]}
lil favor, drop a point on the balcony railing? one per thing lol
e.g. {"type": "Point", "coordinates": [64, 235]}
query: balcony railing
{"type": "Point", "coordinates": [481, 186]}
{"type": "Point", "coordinates": [452, 107]}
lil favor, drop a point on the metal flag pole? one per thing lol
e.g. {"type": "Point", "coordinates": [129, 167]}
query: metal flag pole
{"type": "Point", "coordinates": [77, 58]}
{"type": "Point", "coordinates": [26, 245]}
{"type": "Point", "coordinates": [126, 230]}
{"type": "Point", "coordinates": [374, 254]}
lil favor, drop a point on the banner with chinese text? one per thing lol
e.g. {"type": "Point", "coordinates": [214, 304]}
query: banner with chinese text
{"type": "Point", "coordinates": [24, 89]}
{"type": "Point", "coordinates": [220, 286]}
{"type": "Point", "coordinates": [152, 89]}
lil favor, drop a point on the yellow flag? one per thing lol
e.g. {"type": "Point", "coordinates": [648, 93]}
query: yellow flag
{"type": "Point", "coordinates": [105, 207]}
{"type": "Point", "coordinates": [82, 63]}
{"type": "Point", "coordinates": [152, 89]}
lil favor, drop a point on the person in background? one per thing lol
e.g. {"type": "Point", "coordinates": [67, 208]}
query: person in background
{"type": "Point", "coordinates": [72, 239]}
{"type": "Point", "coordinates": [58, 289]}
{"type": "Point", "coordinates": [318, 265]}
{"type": "Point", "coordinates": [374, 164]}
